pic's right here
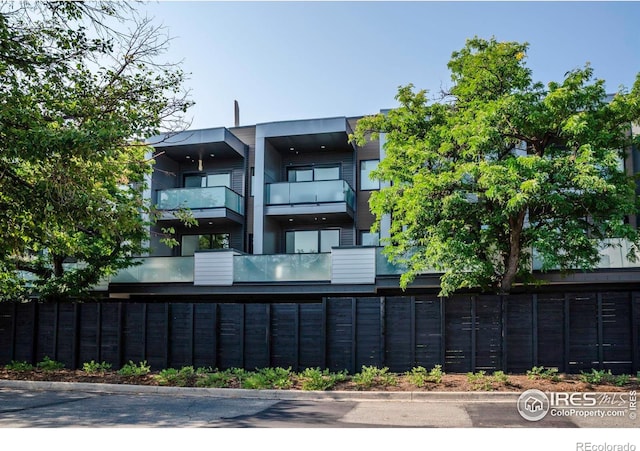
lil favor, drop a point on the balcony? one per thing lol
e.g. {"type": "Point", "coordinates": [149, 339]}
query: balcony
{"type": "Point", "coordinates": [310, 198]}
{"type": "Point", "coordinates": [200, 198]}
{"type": "Point", "coordinates": [282, 268]}
{"type": "Point", "coordinates": [157, 270]}
{"type": "Point", "coordinates": [358, 265]}
{"type": "Point", "coordinates": [310, 192]}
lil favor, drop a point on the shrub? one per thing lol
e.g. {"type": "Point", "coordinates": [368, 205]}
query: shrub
{"type": "Point", "coordinates": [480, 381]}
{"type": "Point", "coordinates": [317, 379]}
{"type": "Point", "coordinates": [597, 377]}
{"type": "Point", "coordinates": [184, 377]}
{"type": "Point", "coordinates": [621, 380]}
{"type": "Point", "coordinates": [19, 366]}
{"type": "Point", "coordinates": [418, 376]}
{"type": "Point", "coordinates": [279, 377]}
{"type": "Point", "coordinates": [93, 367]}
{"type": "Point", "coordinates": [540, 372]}
{"type": "Point", "coordinates": [371, 375]}
{"type": "Point", "coordinates": [49, 365]}
{"type": "Point", "coordinates": [500, 377]}
{"type": "Point", "coordinates": [131, 369]}
{"type": "Point", "coordinates": [214, 379]}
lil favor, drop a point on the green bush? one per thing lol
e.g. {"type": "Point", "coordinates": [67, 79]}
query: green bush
{"type": "Point", "coordinates": [621, 380]}
{"type": "Point", "coordinates": [49, 365]}
{"type": "Point", "coordinates": [267, 378]}
{"type": "Point", "coordinates": [371, 375]}
{"type": "Point", "coordinates": [419, 375]}
{"type": "Point", "coordinates": [540, 372]}
{"type": "Point", "coordinates": [214, 379]}
{"type": "Point", "coordinates": [93, 367]}
{"type": "Point", "coordinates": [500, 377]}
{"type": "Point", "coordinates": [597, 377]}
{"type": "Point", "coordinates": [131, 369]}
{"type": "Point", "coordinates": [184, 377]}
{"type": "Point", "coordinates": [19, 366]}
{"type": "Point", "coordinates": [317, 379]}
{"type": "Point", "coordinates": [480, 381]}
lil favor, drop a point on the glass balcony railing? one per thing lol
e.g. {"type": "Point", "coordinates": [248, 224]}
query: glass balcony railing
{"type": "Point", "coordinates": [157, 269]}
{"type": "Point", "coordinates": [282, 268]}
{"type": "Point", "coordinates": [613, 255]}
{"type": "Point", "coordinates": [384, 267]}
{"type": "Point", "coordinates": [310, 192]}
{"type": "Point", "coordinates": [196, 198]}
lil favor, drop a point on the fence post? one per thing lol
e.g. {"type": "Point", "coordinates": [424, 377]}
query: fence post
{"type": "Point", "coordinates": [443, 333]}
{"type": "Point", "coordinates": [600, 331]}
{"type": "Point", "coordinates": [268, 307]}
{"type": "Point", "coordinates": [505, 351]}
{"type": "Point", "coordinates": [192, 335]}
{"type": "Point", "coordinates": [635, 346]}
{"type": "Point", "coordinates": [216, 339]}
{"type": "Point", "coordinates": [14, 328]}
{"type": "Point", "coordinates": [534, 328]}
{"type": "Point", "coordinates": [167, 331]}
{"type": "Point", "coordinates": [383, 346]}
{"type": "Point", "coordinates": [76, 336]}
{"type": "Point", "coordinates": [567, 331]}
{"type": "Point", "coordinates": [473, 333]}
{"type": "Point", "coordinates": [354, 322]}
{"type": "Point", "coordinates": [297, 337]}
{"type": "Point", "coordinates": [412, 333]}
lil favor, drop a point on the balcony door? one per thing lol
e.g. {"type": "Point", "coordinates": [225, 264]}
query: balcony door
{"type": "Point", "coordinates": [312, 174]}
{"type": "Point", "coordinates": [311, 241]}
{"type": "Point", "coordinates": [207, 180]}
{"type": "Point", "coordinates": [192, 243]}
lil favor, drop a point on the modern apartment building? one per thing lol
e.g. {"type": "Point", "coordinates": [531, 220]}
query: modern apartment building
{"type": "Point", "coordinates": [282, 210]}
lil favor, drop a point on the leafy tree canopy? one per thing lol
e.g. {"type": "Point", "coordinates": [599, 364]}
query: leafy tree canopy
{"type": "Point", "coordinates": [81, 86]}
{"type": "Point", "coordinates": [501, 165]}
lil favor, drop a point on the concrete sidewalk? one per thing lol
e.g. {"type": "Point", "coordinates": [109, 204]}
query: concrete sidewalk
{"type": "Point", "coordinates": [281, 395]}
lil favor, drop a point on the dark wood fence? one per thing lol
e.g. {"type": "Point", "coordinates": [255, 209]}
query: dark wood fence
{"type": "Point", "coordinates": [570, 331]}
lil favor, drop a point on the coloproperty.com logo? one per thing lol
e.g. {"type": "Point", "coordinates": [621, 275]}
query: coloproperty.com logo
{"type": "Point", "coordinates": [534, 405]}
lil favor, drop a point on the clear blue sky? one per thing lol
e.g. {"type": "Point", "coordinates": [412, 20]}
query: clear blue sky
{"type": "Point", "coordinates": [297, 60]}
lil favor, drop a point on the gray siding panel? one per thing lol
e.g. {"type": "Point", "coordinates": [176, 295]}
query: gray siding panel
{"type": "Point", "coordinates": [355, 265]}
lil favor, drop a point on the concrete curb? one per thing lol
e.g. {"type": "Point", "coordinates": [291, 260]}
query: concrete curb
{"type": "Point", "coordinates": [283, 395]}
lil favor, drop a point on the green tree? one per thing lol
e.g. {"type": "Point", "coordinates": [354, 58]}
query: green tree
{"type": "Point", "coordinates": [81, 86]}
{"type": "Point", "coordinates": [500, 165]}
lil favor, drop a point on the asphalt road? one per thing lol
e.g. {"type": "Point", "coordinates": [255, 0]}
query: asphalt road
{"type": "Point", "coordinates": [25, 405]}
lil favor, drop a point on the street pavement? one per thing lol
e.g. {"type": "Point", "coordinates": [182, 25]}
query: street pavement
{"type": "Point", "coordinates": [60, 405]}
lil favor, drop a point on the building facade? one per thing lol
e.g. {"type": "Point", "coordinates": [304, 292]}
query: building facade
{"type": "Point", "coordinates": [282, 211]}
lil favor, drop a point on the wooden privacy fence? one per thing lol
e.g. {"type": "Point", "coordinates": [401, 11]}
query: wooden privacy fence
{"type": "Point", "coordinates": [570, 331]}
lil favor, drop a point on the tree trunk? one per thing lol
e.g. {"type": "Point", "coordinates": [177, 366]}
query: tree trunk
{"type": "Point", "coordinates": [58, 270]}
{"type": "Point", "coordinates": [516, 224]}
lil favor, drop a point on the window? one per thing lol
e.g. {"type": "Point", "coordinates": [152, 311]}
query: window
{"type": "Point", "coordinates": [366, 167]}
{"type": "Point", "coordinates": [207, 180]}
{"type": "Point", "coordinates": [311, 241]}
{"type": "Point", "coordinates": [192, 243]}
{"type": "Point", "coordinates": [312, 174]}
{"type": "Point", "coordinates": [369, 239]}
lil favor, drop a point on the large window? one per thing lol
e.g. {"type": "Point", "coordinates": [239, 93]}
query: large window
{"type": "Point", "coordinates": [312, 174]}
{"type": "Point", "coordinates": [311, 241]}
{"type": "Point", "coordinates": [207, 180]}
{"type": "Point", "coordinates": [366, 167]}
{"type": "Point", "coordinates": [192, 243]}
